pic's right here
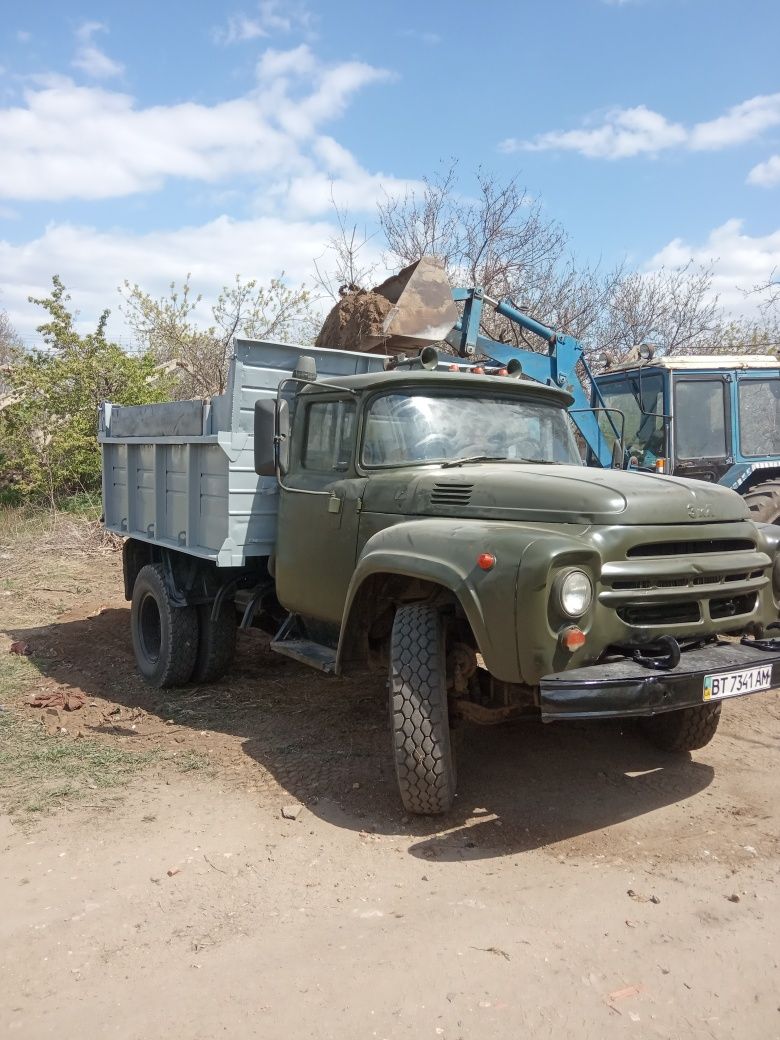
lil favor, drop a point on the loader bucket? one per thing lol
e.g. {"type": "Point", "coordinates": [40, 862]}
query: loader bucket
{"type": "Point", "coordinates": [404, 313]}
{"type": "Point", "coordinates": [422, 309]}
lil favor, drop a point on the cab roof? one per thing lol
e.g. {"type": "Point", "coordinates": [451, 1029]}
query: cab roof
{"type": "Point", "coordinates": [461, 380]}
{"type": "Point", "coordinates": [701, 363]}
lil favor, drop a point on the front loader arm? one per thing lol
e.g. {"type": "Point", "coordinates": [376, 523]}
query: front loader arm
{"type": "Point", "coordinates": [557, 367]}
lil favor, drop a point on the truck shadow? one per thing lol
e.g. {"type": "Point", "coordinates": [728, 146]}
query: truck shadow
{"type": "Point", "coordinates": [293, 735]}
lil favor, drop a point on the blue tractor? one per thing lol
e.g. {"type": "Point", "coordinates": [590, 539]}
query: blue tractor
{"type": "Point", "coordinates": [714, 418]}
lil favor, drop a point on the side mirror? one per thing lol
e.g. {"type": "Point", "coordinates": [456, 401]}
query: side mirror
{"type": "Point", "coordinates": [283, 436]}
{"type": "Point", "coordinates": [272, 437]}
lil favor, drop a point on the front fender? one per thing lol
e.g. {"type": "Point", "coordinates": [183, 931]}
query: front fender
{"type": "Point", "coordinates": [445, 553]}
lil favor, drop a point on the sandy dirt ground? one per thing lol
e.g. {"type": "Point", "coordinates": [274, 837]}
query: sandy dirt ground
{"type": "Point", "coordinates": [585, 885]}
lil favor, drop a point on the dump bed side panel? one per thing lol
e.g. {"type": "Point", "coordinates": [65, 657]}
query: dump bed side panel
{"type": "Point", "coordinates": [181, 474]}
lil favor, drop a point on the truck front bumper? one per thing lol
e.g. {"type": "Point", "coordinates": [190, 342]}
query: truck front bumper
{"type": "Point", "coordinates": [621, 689]}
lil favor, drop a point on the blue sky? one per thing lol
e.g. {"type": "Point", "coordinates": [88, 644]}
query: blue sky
{"type": "Point", "coordinates": [143, 141]}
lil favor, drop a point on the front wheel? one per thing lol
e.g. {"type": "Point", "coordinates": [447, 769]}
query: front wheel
{"type": "Point", "coordinates": [686, 729]}
{"type": "Point", "coordinates": [424, 763]}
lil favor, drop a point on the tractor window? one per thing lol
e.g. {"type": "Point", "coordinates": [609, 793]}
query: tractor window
{"type": "Point", "coordinates": [700, 419]}
{"type": "Point", "coordinates": [642, 403]}
{"type": "Point", "coordinates": [759, 416]}
{"type": "Point", "coordinates": [328, 437]}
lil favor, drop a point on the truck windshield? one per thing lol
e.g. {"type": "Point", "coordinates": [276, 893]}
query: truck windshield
{"type": "Point", "coordinates": [408, 427]}
{"type": "Point", "coordinates": [643, 433]}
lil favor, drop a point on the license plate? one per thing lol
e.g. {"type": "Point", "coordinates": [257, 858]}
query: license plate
{"type": "Point", "coordinates": [733, 684]}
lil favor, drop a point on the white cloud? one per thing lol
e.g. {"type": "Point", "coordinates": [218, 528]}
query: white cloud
{"type": "Point", "coordinates": [89, 58]}
{"type": "Point", "coordinates": [627, 132]}
{"type": "Point", "coordinates": [740, 123]}
{"type": "Point", "coordinates": [766, 174]}
{"type": "Point", "coordinates": [23, 36]}
{"type": "Point", "coordinates": [624, 133]}
{"type": "Point", "coordinates": [740, 262]}
{"type": "Point", "coordinates": [269, 17]}
{"type": "Point", "coordinates": [337, 178]}
{"type": "Point", "coordinates": [88, 142]}
{"type": "Point", "coordinates": [93, 263]}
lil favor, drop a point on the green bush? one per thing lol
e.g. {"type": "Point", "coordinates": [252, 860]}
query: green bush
{"type": "Point", "coordinates": [48, 445]}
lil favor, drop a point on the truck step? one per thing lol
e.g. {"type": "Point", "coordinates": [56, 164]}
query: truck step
{"type": "Point", "coordinates": [315, 655]}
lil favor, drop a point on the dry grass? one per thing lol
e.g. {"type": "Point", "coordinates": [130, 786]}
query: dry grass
{"type": "Point", "coordinates": [54, 531]}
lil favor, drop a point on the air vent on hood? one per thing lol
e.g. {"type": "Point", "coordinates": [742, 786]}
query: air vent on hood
{"type": "Point", "coordinates": [451, 494]}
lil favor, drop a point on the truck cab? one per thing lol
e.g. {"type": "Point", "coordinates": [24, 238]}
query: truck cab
{"type": "Point", "coordinates": [709, 418]}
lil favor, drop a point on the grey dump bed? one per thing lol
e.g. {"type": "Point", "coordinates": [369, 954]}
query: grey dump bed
{"type": "Point", "coordinates": [182, 474]}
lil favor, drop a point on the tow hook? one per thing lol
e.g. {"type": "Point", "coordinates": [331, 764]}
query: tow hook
{"type": "Point", "coordinates": [770, 644]}
{"type": "Point", "coordinates": [663, 653]}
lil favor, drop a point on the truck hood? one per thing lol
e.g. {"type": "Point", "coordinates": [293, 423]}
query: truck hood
{"type": "Point", "coordinates": [550, 494]}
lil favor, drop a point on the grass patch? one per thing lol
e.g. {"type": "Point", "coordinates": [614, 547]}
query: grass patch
{"type": "Point", "coordinates": [73, 526]}
{"type": "Point", "coordinates": [40, 772]}
{"type": "Point", "coordinates": [188, 761]}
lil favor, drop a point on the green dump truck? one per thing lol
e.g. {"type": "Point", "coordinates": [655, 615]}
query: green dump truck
{"type": "Point", "coordinates": [438, 527]}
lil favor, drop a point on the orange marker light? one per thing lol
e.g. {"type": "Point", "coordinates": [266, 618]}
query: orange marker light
{"type": "Point", "coordinates": [502, 372]}
{"type": "Point", "coordinates": [572, 638]}
{"type": "Point", "coordinates": [660, 465]}
{"type": "Point", "coordinates": [478, 371]}
{"type": "Point", "coordinates": [453, 368]}
{"type": "Point", "coordinates": [486, 561]}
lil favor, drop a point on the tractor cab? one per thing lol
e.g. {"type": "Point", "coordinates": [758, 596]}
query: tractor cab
{"type": "Point", "coordinates": [714, 418]}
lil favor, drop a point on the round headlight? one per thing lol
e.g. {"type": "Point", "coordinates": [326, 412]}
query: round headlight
{"type": "Point", "coordinates": [575, 593]}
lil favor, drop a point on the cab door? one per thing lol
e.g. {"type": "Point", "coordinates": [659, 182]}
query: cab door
{"type": "Point", "coordinates": [319, 507]}
{"type": "Point", "coordinates": [702, 425]}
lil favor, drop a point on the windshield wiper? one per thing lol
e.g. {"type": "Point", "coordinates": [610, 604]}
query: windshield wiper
{"type": "Point", "coordinates": [473, 458]}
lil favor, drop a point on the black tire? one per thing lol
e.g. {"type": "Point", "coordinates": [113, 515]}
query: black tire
{"type": "Point", "coordinates": [422, 750]}
{"type": "Point", "coordinates": [165, 637]}
{"type": "Point", "coordinates": [763, 501]}
{"type": "Point", "coordinates": [216, 643]}
{"type": "Point", "coordinates": [686, 729]}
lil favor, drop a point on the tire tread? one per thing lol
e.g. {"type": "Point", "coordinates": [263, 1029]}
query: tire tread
{"type": "Point", "coordinates": [418, 711]}
{"type": "Point", "coordinates": [182, 626]}
{"type": "Point", "coordinates": [686, 729]}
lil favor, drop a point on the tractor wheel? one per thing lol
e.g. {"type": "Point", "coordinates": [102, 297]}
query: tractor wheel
{"type": "Point", "coordinates": [424, 763]}
{"type": "Point", "coordinates": [686, 729]}
{"type": "Point", "coordinates": [165, 637]}
{"type": "Point", "coordinates": [216, 643]}
{"type": "Point", "coordinates": [764, 502]}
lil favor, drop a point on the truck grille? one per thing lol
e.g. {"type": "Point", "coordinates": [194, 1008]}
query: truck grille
{"type": "Point", "coordinates": [651, 615]}
{"type": "Point", "coordinates": [451, 494]}
{"type": "Point", "coordinates": [685, 581]}
{"type": "Point", "coordinates": [732, 606]}
{"type": "Point", "coordinates": [706, 545]}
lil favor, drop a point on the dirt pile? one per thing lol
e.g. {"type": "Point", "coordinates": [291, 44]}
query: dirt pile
{"type": "Point", "coordinates": [356, 321]}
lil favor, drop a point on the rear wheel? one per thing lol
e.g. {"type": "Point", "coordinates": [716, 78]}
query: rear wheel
{"type": "Point", "coordinates": [216, 643]}
{"type": "Point", "coordinates": [686, 729]}
{"type": "Point", "coordinates": [763, 501]}
{"type": "Point", "coordinates": [422, 749]}
{"type": "Point", "coordinates": [165, 636]}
